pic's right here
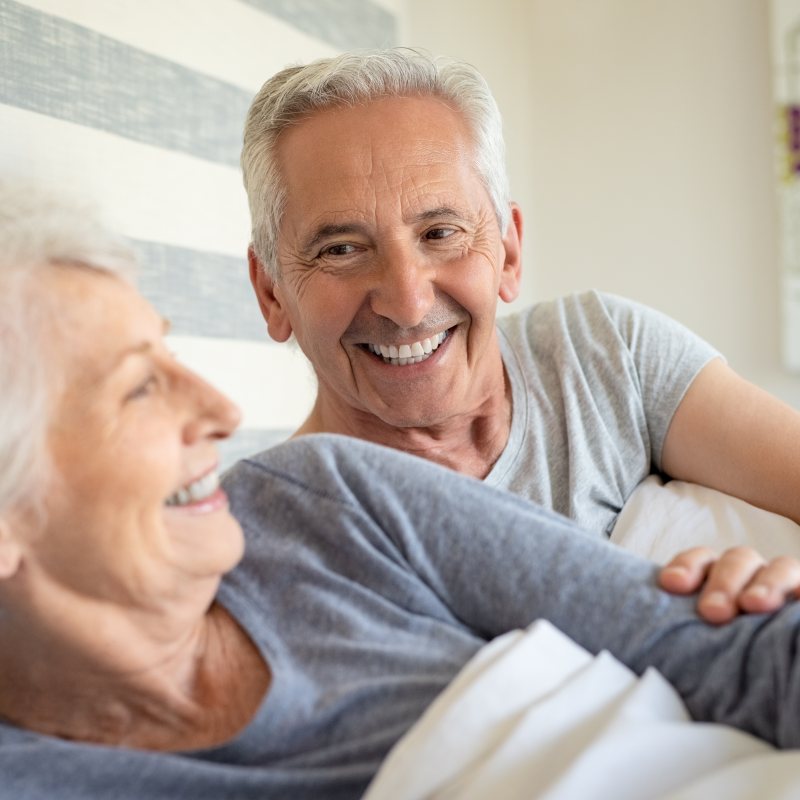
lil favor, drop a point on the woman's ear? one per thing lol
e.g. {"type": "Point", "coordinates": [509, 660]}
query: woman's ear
{"type": "Point", "coordinates": [10, 551]}
{"type": "Point", "coordinates": [272, 309]}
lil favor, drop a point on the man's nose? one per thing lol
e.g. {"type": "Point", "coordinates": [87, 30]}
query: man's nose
{"type": "Point", "coordinates": [403, 289]}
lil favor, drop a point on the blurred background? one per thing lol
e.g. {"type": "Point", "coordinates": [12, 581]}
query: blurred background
{"type": "Point", "coordinates": [649, 146]}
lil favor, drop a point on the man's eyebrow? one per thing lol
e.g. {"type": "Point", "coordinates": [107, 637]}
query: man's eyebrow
{"type": "Point", "coordinates": [324, 232]}
{"type": "Point", "coordinates": [438, 213]}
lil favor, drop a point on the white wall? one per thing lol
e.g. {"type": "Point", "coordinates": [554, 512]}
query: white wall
{"type": "Point", "coordinates": [640, 138]}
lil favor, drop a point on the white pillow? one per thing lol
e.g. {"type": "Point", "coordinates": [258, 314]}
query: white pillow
{"type": "Point", "coordinates": [661, 519]}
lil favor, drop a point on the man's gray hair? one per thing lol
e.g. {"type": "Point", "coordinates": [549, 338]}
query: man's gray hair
{"type": "Point", "coordinates": [351, 79]}
{"type": "Point", "coordinates": [39, 229]}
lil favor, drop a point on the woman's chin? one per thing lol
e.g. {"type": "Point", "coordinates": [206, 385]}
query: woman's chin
{"type": "Point", "coordinates": [208, 542]}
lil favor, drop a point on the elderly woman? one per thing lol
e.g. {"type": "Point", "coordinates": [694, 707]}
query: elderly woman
{"type": "Point", "coordinates": [137, 660]}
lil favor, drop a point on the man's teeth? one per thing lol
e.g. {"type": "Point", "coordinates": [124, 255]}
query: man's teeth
{"type": "Point", "coordinates": [408, 353]}
{"type": "Point", "coordinates": [196, 491]}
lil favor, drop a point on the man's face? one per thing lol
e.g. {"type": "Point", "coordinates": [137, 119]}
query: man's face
{"type": "Point", "coordinates": [391, 261]}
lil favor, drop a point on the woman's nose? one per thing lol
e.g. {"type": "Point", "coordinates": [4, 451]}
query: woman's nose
{"type": "Point", "coordinates": [214, 415]}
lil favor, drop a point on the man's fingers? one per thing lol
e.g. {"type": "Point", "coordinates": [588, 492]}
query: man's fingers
{"type": "Point", "coordinates": [687, 571]}
{"type": "Point", "coordinates": [727, 579]}
{"type": "Point", "coordinates": [738, 580]}
{"type": "Point", "coordinates": [770, 587]}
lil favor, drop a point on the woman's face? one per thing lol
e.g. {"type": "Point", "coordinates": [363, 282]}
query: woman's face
{"type": "Point", "coordinates": [133, 511]}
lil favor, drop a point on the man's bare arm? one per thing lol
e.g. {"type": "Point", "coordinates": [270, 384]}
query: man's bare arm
{"type": "Point", "coordinates": [733, 436]}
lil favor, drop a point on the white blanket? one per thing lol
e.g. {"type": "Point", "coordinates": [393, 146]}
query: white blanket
{"type": "Point", "coordinates": [535, 716]}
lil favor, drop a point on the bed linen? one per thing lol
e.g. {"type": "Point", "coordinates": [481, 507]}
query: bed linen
{"type": "Point", "coordinates": [661, 519]}
{"type": "Point", "coordinates": [533, 715]}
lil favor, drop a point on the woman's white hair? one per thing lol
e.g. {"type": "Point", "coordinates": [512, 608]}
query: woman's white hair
{"type": "Point", "coordinates": [39, 230]}
{"type": "Point", "coordinates": [351, 79]}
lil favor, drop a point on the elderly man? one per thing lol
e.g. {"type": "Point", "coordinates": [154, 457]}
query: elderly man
{"type": "Point", "coordinates": [383, 235]}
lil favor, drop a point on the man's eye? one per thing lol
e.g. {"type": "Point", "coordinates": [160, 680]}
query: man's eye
{"type": "Point", "coordinates": [439, 233]}
{"type": "Point", "coordinates": [338, 250]}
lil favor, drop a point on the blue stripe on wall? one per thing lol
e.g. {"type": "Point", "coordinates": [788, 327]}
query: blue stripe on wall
{"type": "Point", "coordinates": [200, 293]}
{"type": "Point", "coordinates": [249, 441]}
{"type": "Point", "coordinates": [346, 24]}
{"type": "Point", "coordinates": [54, 67]}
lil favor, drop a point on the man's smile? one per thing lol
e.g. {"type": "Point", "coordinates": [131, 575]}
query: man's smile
{"type": "Point", "coordinates": [403, 354]}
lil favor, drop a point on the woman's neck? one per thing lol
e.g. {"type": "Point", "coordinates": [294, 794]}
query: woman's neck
{"type": "Point", "coordinates": [196, 691]}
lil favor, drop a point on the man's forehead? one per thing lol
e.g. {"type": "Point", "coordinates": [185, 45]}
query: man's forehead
{"type": "Point", "coordinates": [410, 108]}
{"type": "Point", "coordinates": [392, 159]}
{"type": "Point", "coordinates": [391, 132]}
{"type": "Point", "coordinates": [363, 163]}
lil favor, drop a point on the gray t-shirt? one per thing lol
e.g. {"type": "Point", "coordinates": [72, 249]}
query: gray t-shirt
{"type": "Point", "coordinates": [370, 578]}
{"type": "Point", "coordinates": [595, 380]}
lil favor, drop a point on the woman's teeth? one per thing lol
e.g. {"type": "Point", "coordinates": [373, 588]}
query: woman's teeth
{"type": "Point", "coordinates": [408, 353]}
{"type": "Point", "coordinates": [196, 491]}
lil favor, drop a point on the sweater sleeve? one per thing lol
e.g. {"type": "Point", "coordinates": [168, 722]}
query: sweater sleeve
{"type": "Point", "coordinates": [498, 562]}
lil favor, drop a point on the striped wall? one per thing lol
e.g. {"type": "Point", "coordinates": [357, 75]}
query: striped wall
{"type": "Point", "coordinates": [141, 104]}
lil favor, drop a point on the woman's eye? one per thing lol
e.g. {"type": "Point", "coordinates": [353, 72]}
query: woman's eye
{"type": "Point", "coordinates": [145, 388]}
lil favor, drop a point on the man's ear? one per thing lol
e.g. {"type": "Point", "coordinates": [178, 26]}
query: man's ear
{"type": "Point", "coordinates": [10, 551]}
{"type": "Point", "coordinates": [512, 266]}
{"type": "Point", "coordinates": [268, 295]}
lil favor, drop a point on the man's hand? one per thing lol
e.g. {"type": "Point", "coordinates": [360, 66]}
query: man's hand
{"type": "Point", "coordinates": [740, 580]}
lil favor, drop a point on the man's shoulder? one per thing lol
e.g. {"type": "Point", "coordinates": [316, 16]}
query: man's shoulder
{"type": "Point", "coordinates": [570, 318]}
{"type": "Point", "coordinates": [568, 306]}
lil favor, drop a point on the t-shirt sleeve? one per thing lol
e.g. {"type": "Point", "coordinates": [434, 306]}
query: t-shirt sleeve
{"type": "Point", "coordinates": [667, 357]}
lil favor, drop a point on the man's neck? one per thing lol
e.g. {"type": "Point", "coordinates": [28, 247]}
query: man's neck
{"type": "Point", "coordinates": [469, 443]}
